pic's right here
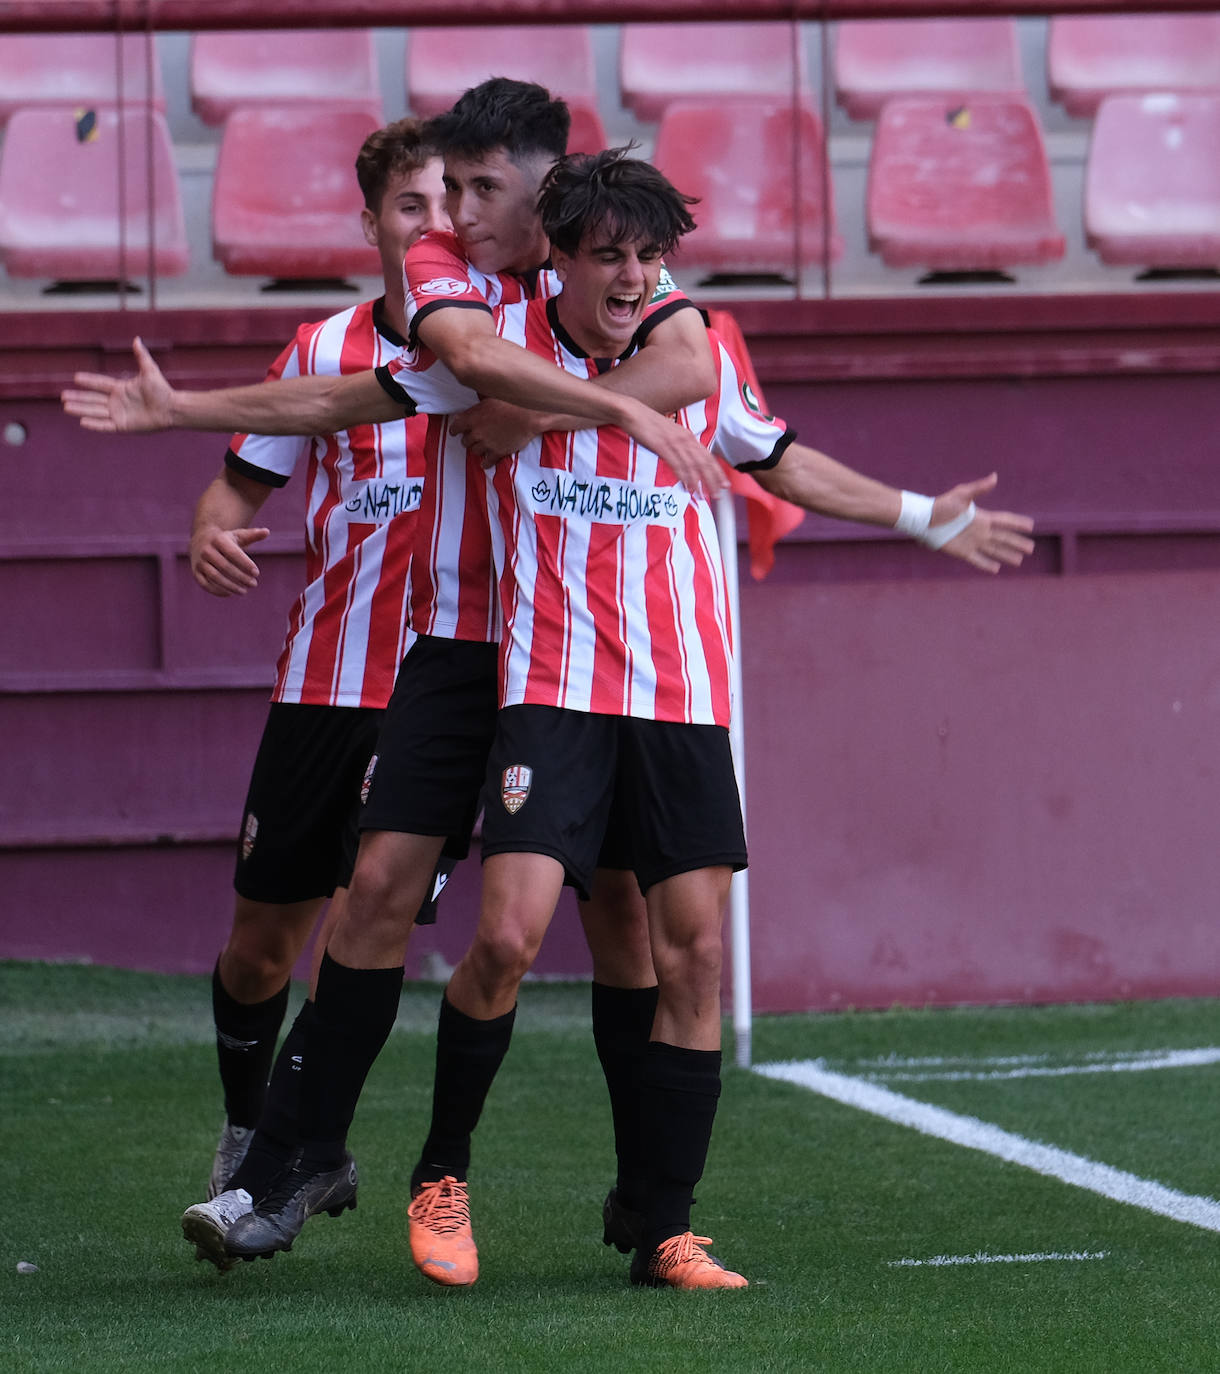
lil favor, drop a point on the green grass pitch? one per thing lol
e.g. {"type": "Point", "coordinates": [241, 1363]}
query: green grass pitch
{"type": "Point", "coordinates": [109, 1112]}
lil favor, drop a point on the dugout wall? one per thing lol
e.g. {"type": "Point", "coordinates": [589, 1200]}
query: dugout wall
{"type": "Point", "coordinates": [959, 789]}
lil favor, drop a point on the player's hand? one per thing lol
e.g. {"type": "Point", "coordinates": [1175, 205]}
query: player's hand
{"type": "Point", "coordinates": [495, 429]}
{"type": "Point", "coordinates": [994, 538]}
{"type": "Point", "coordinates": [692, 464]}
{"type": "Point", "coordinates": [219, 562]}
{"type": "Point", "coordinates": [122, 405]}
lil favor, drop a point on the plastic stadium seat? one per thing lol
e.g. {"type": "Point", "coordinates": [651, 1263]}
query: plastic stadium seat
{"type": "Point", "coordinates": [285, 201]}
{"type": "Point", "coordinates": [737, 157]}
{"type": "Point", "coordinates": [60, 201]}
{"type": "Point", "coordinates": [659, 63]}
{"type": "Point", "coordinates": [876, 60]}
{"type": "Point", "coordinates": [283, 66]}
{"type": "Point", "coordinates": [442, 63]}
{"type": "Point", "coordinates": [588, 134]}
{"type": "Point", "coordinates": [1091, 57]}
{"type": "Point", "coordinates": [960, 186]}
{"type": "Point", "coordinates": [1152, 185]}
{"type": "Point", "coordinates": [80, 71]}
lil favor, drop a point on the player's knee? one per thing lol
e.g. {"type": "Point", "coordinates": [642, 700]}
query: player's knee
{"type": "Point", "coordinates": [694, 962]}
{"type": "Point", "coordinates": [381, 895]}
{"type": "Point", "coordinates": [253, 969]}
{"type": "Point", "coordinates": [501, 958]}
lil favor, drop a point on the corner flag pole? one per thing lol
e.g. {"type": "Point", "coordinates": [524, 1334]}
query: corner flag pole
{"type": "Point", "coordinates": [739, 891]}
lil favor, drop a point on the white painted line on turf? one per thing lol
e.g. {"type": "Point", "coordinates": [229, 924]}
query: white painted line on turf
{"type": "Point", "coordinates": [1134, 1063]}
{"type": "Point", "coordinates": [974, 1134]}
{"type": "Point", "coordinates": [937, 1260]}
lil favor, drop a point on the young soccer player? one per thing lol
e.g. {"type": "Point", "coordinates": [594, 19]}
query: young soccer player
{"type": "Point", "coordinates": [291, 1212]}
{"type": "Point", "coordinates": [499, 143]}
{"type": "Point", "coordinates": [614, 681]}
{"type": "Point", "coordinates": [346, 636]}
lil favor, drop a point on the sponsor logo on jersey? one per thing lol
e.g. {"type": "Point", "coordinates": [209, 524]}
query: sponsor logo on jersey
{"type": "Point", "coordinates": [607, 502]}
{"type": "Point", "coordinates": [249, 835]}
{"type": "Point", "coordinates": [515, 784]}
{"type": "Point", "coordinates": [368, 780]}
{"type": "Point", "coordinates": [752, 401]}
{"type": "Point", "coordinates": [666, 286]}
{"type": "Point", "coordinates": [442, 286]}
{"type": "Point", "coordinates": [376, 502]}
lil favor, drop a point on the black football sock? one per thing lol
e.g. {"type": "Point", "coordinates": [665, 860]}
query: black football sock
{"type": "Point", "coordinates": [354, 1012]}
{"type": "Point", "coordinates": [679, 1091]}
{"type": "Point", "coordinates": [622, 1023]}
{"type": "Point", "coordinates": [278, 1135]}
{"type": "Point", "coordinates": [468, 1054]}
{"type": "Point", "coordinates": [245, 1043]}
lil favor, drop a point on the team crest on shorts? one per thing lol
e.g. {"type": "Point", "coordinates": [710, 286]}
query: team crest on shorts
{"type": "Point", "coordinates": [249, 835]}
{"type": "Point", "coordinates": [515, 786]}
{"type": "Point", "coordinates": [368, 780]}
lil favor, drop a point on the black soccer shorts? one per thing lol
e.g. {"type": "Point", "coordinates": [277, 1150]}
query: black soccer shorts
{"type": "Point", "coordinates": [432, 751]}
{"type": "Point", "coordinates": [299, 824]}
{"type": "Point", "coordinates": [555, 777]}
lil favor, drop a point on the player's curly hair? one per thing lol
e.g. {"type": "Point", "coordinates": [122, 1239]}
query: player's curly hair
{"type": "Point", "coordinates": [615, 194]}
{"type": "Point", "coordinates": [519, 117]}
{"type": "Point", "coordinates": [398, 149]}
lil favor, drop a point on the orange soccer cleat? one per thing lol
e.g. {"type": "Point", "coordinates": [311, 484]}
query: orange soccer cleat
{"type": "Point", "coordinates": [442, 1244]}
{"type": "Point", "coordinates": [682, 1262]}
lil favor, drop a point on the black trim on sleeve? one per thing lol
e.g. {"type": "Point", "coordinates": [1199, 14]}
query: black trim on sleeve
{"type": "Point", "coordinates": [425, 310]}
{"type": "Point", "coordinates": [765, 464]}
{"type": "Point", "coordinates": [236, 463]}
{"type": "Point", "coordinates": [394, 390]}
{"type": "Point", "coordinates": [660, 315]}
{"type": "Point", "coordinates": [383, 326]}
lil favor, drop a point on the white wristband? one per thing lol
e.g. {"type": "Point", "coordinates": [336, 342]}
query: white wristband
{"type": "Point", "coordinates": [937, 536]}
{"type": "Point", "coordinates": [915, 515]}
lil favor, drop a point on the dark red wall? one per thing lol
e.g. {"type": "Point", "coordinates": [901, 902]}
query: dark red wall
{"type": "Point", "coordinates": [959, 788]}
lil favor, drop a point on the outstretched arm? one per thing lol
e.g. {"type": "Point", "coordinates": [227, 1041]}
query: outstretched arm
{"type": "Point", "coordinates": [221, 532]}
{"type": "Point", "coordinates": [986, 540]}
{"type": "Point", "coordinates": [674, 369]}
{"type": "Point", "coordinates": [467, 343]}
{"type": "Point", "coordinates": [290, 405]}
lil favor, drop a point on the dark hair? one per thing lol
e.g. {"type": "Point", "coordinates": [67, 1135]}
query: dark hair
{"type": "Point", "coordinates": [517, 116]}
{"type": "Point", "coordinates": [400, 148]}
{"type": "Point", "coordinates": [620, 195]}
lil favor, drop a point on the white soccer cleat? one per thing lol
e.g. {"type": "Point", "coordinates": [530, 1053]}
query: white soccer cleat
{"type": "Point", "coordinates": [230, 1151]}
{"type": "Point", "coordinates": [206, 1225]}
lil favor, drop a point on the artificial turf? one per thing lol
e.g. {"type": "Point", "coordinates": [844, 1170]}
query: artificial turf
{"type": "Point", "coordinates": [110, 1112]}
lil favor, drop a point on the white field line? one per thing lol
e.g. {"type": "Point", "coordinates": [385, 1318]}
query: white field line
{"type": "Point", "coordinates": [1134, 1063]}
{"type": "Point", "coordinates": [979, 1135]}
{"type": "Point", "coordinates": [938, 1260]}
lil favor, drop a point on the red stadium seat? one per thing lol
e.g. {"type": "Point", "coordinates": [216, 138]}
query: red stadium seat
{"type": "Point", "coordinates": [1152, 185]}
{"type": "Point", "coordinates": [960, 186]}
{"type": "Point", "coordinates": [65, 213]}
{"type": "Point", "coordinates": [442, 63]}
{"type": "Point", "coordinates": [285, 202]}
{"type": "Point", "coordinates": [737, 157]}
{"type": "Point", "coordinates": [283, 66]}
{"type": "Point", "coordinates": [588, 134]}
{"type": "Point", "coordinates": [80, 71]}
{"type": "Point", "coordinates": [876, 60]}
{"type": "Point", "coordinates": [1091, 57]}
{"type": "Point", "coordinates": [659, 63]}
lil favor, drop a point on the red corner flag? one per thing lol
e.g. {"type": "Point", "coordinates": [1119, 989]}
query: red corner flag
{"type": "Point", "coordinates": [769, 518]}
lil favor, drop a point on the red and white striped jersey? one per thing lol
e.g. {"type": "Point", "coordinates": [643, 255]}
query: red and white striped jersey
{"type": "Point", "coordinates": [610, 576]}
{"type": "Point", "coordinates": [347, 631]}
{"type": "Point", "coordinates": [453, 581]}
{"type": "Point", "coordinates": [436, 272]}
